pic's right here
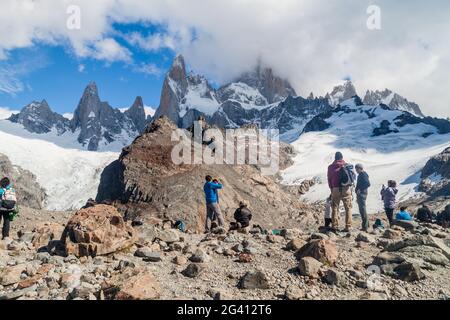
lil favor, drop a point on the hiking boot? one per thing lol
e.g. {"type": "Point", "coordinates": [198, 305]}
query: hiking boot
{"type": "Point", "coordinates": [347, 230]}
{"type": "Point", "coordinates": [333, 230]}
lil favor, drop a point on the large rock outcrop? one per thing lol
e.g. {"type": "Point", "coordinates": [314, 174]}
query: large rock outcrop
{"type": "Point", "coordinates": [147, 183]}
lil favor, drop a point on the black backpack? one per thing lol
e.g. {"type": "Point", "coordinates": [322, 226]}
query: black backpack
{"type": "Point", "coordinates": [347, 175]}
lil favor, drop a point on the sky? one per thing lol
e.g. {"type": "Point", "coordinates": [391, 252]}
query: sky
{"type": "Point", "coordinates": [52, 49]}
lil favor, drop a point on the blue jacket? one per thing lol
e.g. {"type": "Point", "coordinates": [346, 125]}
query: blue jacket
{"type": "Point", "coordinates": [403, 215]}
{"type": "Point", "coordinates": [210, 192]}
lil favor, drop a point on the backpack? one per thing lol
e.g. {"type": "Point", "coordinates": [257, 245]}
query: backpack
{"type": "Point", "coordinates": [9, 199]}
{"type": "Point", "coordinates": [180, 225]}
{"type": "Point", "coordinates": [347, 175]}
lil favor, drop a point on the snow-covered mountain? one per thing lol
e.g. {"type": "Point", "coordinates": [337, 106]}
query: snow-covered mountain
{"type": "Point", "coordinates": [341, 93]}
{"type": "Point", "coordinates": [392, 100]}
{"type": "Point", "coordinates": [95, 125]}
{"type": "Point", "coordinates": [257, 97]}
{"type": "Point", "coordinates": [37, 117]}
{"type": "Point", "coordinates": [392, 144]}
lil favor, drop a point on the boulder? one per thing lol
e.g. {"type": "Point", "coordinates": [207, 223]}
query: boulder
{"type": "Point", "coordinates": [364, 237]}
{"type": "Point", "coordinates": [295, 244]}
{"type": "Point", "coordinates": [95, 231]}
{"type": "Point", "coordinates": [245, 258]}
{"type": "Point", "coordinates": [193, 270]}
{"type": "Point", "coordinates": [11, 275]}
{"type": "Point", "coordinates": [334, 277]}
{"type": "Point", "coordinates": [428, 254]}
{"type": "Point", "coordinates": [180, 260]}
{"type": "Point", "coordinates": [294, 293]}
{"type": "Point", "coordinates": [199, 256]}
{"type": "Point", "coordinates": [148, 255]}
{"type": "Point", "coordinates": [139, 287]}
{"type": "Point", "coordinates": [392, 234]}
{"type": "Point", "coordinates": [409, 272]}
{"type": "Point", "coordinates": [309, 267]}
{"type": "Point", "coordinates": [46, 232]}
{"type": "Point", "coordinates": [388, 258]}
{"type": "Point", "coordinates": [254, 280]}
{"type": "Point", "coordinates": [324, 251]}
{"type": "Point", "coordinates": [407, 225]}
{"type": "Point", "coordinates": [168, 236]}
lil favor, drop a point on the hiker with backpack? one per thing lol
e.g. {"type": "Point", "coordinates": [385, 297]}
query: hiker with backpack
{"type": "Point", "coordinates": [212, 206]}
{"type": "Point", "coordinates": [362, 187]}
{"type": "Point", "coordinates": [341, 179]}
{"type": "Point", "coordinates": [388, 195]}
{"type": "Point", "coordinates": [8, 205]}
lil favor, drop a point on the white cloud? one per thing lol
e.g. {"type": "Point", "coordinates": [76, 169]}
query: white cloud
{"type": "Point", "coordinates": [148, 69]}
{"type": "Point", "coordinates": [10, 82]}
{"type": "Point", "coordinates": [152, 42]}
{"type": "Point", "coordinates": [81, 68]}
{"type": "Point", "coordinates": [109, 50]}
{"type": "Point", "coordinates": [314, 43]}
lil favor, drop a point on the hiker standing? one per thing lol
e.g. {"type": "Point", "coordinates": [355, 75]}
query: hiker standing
{"type": "Point", "coordinates": [8, 205]}
{"type": "Point", "coordinates": [388, 195]}
{"type": "Point", "coordinates": [362, 189]}
{"type": "Point", "coordinates": [340, 180]}
{"type": "Point", "coordinates": [212, 205]}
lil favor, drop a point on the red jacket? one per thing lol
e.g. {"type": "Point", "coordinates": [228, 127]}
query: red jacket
{"type": "Point", "coordinates": [334, 179]}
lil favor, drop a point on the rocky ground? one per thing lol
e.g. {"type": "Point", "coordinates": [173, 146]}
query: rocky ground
{"type": "Point", "coordinates": [154, 261]}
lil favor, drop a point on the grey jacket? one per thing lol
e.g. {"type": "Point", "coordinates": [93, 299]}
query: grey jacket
{"type": "Point", "coordinates": [388, 195]}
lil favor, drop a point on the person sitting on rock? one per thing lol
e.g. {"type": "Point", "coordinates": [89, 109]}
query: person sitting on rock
{"type": "Point", "coordinates": [243, 216]}
{"type": "Point", "coordinates": [212, 205]}
{"type": "Point", "coordinates": [424, 214]}
{"type": "Point", "coordinates": [8, 205]}
{"type": "Point", "coordinates": [443, 218]}
{"type": "Point", "coordinates": [403, 215]}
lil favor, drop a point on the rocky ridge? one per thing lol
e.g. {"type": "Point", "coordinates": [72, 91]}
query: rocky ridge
{"type": "Point", "coordinates": [145, 183]}
{"type": "Point", "coordinates": [164, 263]}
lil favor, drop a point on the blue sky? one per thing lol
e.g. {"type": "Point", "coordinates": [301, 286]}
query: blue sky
{"type": "Point", "coordinates": [54, 73]}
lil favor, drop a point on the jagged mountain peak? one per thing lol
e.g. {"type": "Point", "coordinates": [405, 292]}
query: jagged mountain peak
{"type": "Point", "coordinates": [392, 100]}
{"type": "Point", "coordinates": [137, 114]}
{"type": "Point", "coordinates": [271, 86]}
{"type": "Point", "coordinates": [342, 92]}
{"type": "Point", "coordinates": [37, 117]}
{"type": "Point", "coordinates": [177, 71]}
